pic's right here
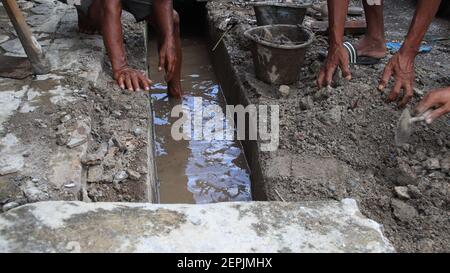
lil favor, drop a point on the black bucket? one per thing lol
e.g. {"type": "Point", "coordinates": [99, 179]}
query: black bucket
{"type": "Point", "coordinates": [279, 52]}
{"type": "Point", "coordinates": [273, 13]}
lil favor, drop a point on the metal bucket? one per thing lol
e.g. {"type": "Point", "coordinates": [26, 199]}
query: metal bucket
{"type": "Point", "coordinates": [273, 13]}
{"type": "Point", "coordinates": [279, 52]}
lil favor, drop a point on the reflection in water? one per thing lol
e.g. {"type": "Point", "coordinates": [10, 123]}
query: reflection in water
{"type": "Point", "coordinates": [196, 171]}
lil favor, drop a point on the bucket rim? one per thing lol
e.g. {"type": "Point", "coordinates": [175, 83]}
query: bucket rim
{"type": "Point", "coordinates": [268, 44]}
{"type": "Point", "coordinates": [278, 4]}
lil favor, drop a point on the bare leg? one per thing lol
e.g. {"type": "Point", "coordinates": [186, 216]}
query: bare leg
{"type": "Point", "coordinates": [373, 43]}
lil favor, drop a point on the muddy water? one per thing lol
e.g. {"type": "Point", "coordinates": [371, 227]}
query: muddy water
{"type": "Point", "coordinates": [195, 171]}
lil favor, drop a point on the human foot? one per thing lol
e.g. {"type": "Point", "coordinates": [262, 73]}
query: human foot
{"type": "Point", "coordinates": [371, 47]}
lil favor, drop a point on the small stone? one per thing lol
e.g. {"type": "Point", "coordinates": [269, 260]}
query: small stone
{"type": "Point", "coordinates": [306, 103]}
{"type": "Point", "coordinates": [403, 211]}
{"type": "Point", "coordinates": [284, 91]}
{"type": "Point", "coordinates": [118, 143]}
{"type": "Point", "coordinates": [432, 164]}
{"type": "Point", "coordinates": [76, 141]}
{"type": "Point", "coordinates": [95, 158]}
{"type": "Point", "coordinates": [120, 176]}
{"type": "Point", "coordinates": [10, 206]}
{"type": "Point", "coordinates": [414, 192]}
{"type": "Point", "coordinates": [404, 175]}
{"type": "Point", "coordinates": [402, 192]}
{"type": "Point", "coordinates": [66, 118]}
{"type": "Point", "coordinates": [134, 175]}
{"type": "Point", "coordinates": [233, 191]}
{"type": "Point", "coordinates": [137, 132]}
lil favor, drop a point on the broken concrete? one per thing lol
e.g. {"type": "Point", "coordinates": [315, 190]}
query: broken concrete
{"type": "Point", "coordinates": [50, 125]}
{"type": "Point", "coordinates": [328, 226]}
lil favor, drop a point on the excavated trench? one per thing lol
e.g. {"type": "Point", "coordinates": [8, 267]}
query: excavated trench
{"type": "Point", "coordinates": [194, 171]}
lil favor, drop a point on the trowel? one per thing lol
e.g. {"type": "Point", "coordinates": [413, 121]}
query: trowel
{"type": "Point", "coordinates": [405, 124]}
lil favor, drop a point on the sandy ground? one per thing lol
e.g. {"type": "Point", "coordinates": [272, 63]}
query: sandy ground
{"type": "Point", "coordinates": [339, 143]}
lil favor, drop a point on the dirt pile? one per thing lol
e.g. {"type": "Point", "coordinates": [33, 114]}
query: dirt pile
{"type": "Point", "coordinates": [339, 142]}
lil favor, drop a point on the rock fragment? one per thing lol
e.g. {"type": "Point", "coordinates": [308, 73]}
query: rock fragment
{"type": "Point", "coordinates": [432, 164]}
{"type": "Point", "coordinates": [402, 211]}
{"type": "Point", "coordinates": [284, 91]}
{"type": "Point", "coordinates": [120, 176]}
{"type": "Point", "coordinates": [133, 175]}
{"type": "Point", "coordinates": [402, 193]}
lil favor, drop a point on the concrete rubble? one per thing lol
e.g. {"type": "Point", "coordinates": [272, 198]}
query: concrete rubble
{"type": "Point", "coordinates": [55, 127]}
{"type": "Point", "coordinates": [253, 227]}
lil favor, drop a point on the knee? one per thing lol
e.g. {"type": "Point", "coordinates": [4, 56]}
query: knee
{"type": "Point", "coordinates": [176, 18]}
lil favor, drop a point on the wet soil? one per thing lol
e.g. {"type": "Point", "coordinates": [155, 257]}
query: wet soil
{"type": "Point", "coordinates": [339, 143]}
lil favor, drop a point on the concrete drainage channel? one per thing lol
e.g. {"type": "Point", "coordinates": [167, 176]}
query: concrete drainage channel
{"type": "Point", "coordinates": [101, 226]}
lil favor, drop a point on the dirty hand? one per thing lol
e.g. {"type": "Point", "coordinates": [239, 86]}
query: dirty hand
{"type": "Point", "coordinates": [168, 58]}
{"type": "Point", "coordinates": [439, 100]}
{"type": "Point", "coordinates": [337, 57]}
{"type": "Point", "coordinates": [401, 66]}
{"type": "Point", "coordinates": [132, 79]}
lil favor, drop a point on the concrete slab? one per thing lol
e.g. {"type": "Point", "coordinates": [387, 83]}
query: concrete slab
{"type": "Point", "coordinates": [328, 226]}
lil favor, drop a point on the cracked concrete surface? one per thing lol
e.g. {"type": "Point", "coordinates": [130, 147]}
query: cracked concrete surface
{"type": "Point", "coordinates": [328, 226]}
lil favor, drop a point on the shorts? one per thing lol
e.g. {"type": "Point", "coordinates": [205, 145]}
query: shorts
{"type": "Point", "coordinates": [140, 9]}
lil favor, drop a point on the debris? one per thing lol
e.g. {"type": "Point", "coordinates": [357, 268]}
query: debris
{"type": "Point", "coordinates": [120, 176]}
{"type": "Point", "coordinates": [95, 174]}
{"type": "Point", "coordinates": [402, 176]}
{"type": "Point", "coordinates": [133, 174]}
{"type": "Point", "coordinates": [284, 90]}
{"type": "Point", "coordinates": [96, 158]}
{"type": "Point", "coordinates": [79, 136]}
{"type": "Point", "coordinates": [432, 164]}
{"type": "Point", "coordinates": [70, 186]}
{"type": "Point", "coordinates": [137, 132]}
{"type": "Point", "coordinates": [66, 118]}
{"type": "Point", "coordinates": [118, 143]}
{"type": "Point", "coordinates": [414, 192]}
{"type": "Point", "coordinates": [33, 194]}
{"type": "Point", "coordinates": [279, 196]}
{"type": "Point", "coordinates": [306, 103]}
{"type": "Point", "coordinates": [402, 192]}
{"type": "Point", "coordinates": [403, 211]}
{"type": "Point", "coordinates": [62, 137]}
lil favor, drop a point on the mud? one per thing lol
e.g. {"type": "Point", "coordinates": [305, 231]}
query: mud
{"type": "Point", "coordinates": [339, 143]}
{"type": "Point", "coordinates": [192, 171]}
